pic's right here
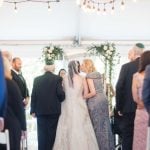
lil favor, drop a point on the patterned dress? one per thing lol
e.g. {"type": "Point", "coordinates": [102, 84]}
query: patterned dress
{"type": "Point", "coordinates": [141, 118]}
{"type": "Point", "coordinates": [98, 110]}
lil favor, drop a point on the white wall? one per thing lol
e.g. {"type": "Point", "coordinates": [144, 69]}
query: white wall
{"type": "Point", "coordinates": [66, 20]}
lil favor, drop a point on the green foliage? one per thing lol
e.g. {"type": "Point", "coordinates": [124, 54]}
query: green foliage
{"type": "Point", "coordinates": [110, 57]}
{"type": "Point", "coordinates": [51, 53]}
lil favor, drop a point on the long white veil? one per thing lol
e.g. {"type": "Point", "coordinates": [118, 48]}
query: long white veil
{"type": "Point", "coordinates": [73, 68]}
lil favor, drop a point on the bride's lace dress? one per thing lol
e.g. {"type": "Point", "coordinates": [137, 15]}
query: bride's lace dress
{"type": "Point", "coordinates": [75, 131]}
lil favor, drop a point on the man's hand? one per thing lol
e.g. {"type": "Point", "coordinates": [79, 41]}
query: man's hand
{"type": "Point", "coordinates": [26, 101]}
{"type": "Point", "coordinates": [1, 123]}
{"type": "Point", "coordinates": [119, 113]}
{"type": "Point", "coordinates": [23, 134]}
{"type": "Point", "coordinates": [33, 115]}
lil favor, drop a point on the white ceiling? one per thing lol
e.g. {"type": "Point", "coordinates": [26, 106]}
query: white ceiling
{"type": "Point", "coordinates": [67, 20]}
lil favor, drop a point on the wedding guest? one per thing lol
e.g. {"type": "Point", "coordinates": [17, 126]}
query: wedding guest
{"type": "Point", "coordinates": [2, 94]}
{"type": "Point", "coordinates": [146, 89]}
{"type": "Point", "coordinates": [125, 105]}
{"type": "Point", "coordinates": [131, 55]}
{"type": "Point", "coordinates": [46, 98]}
{"type": "Point", "coordinates": [14, 118]}
{"type": "Point", "coordinates": [141, 117]}
{"type": "Point", "coordinates": [146, 99]}
{"type": "Point", "coordinates": [19, 79]}
{"type": "Point", "coordinates": [62, 73]}
{"type": "Point", "coordinates": [98, 106]}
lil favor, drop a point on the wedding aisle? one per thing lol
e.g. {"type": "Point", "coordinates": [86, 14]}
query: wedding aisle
{"type": "Point", "coordinates": [32, 132]}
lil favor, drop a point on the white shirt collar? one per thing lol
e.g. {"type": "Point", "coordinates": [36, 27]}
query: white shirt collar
{"type": "Point", "coordinates": [15, 71]}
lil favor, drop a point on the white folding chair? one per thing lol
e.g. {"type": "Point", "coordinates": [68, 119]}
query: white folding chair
{"type": "Point", "coordinates": [4, 139]}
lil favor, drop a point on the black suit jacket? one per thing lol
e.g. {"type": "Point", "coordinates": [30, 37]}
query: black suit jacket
{"type": "Point", "coordinates": [22, 84]}
{"type": "Point", "coordinates": [124, 98]}
{"type": "Point", "coordinates": [47, 95]}
{"type": "Point", "coordinates": [15, 115]}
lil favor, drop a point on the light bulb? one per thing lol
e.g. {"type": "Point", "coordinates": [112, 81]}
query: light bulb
{"type": "Point", "coordinates": [104, 11]}
{"type": "Point", "coordinates": [112, 10]}
{"type": "Point", "coordinates": [15, 9]}
{"type": "Point", "coordinates": [122, 5]}
{"type": "Point", "coordinates": [49, 7]}
{"type": "Point", "coordinates": [1, 2]}
{"type": "Point", "coordinates": [78, 2]}
{"type": "Point", "coordinates": [134, 0]}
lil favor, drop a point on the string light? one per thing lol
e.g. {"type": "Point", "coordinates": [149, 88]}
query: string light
{"type": "Point", "coordinates": [104, 10]}
{"type": "Point", "coordinates": [95, 5]}
{"type": "Point", "coordinates": [15, 8]}
{"type": "Point", "coordinates": [26, 1]}
{"type": "Point", "coordinates": [49, 7]}
{"type": "Point", "coordinates": [122, 5]}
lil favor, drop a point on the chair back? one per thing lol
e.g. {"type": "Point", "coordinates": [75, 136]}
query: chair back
{"type": "Point", "coordinates": [4, 139]}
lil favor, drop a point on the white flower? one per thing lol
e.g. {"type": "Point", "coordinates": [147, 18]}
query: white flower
{"type": "Point", "coordinates": [105, 47]}
{"type": "Point", "coordinates": [111, 48]}
{"type": "Point", "coordinates": [45, 50]}
{"type": "Point", "coordinates": [53, 55]}
{"type": "Point", "coordinates": [48, 55]}
{"type": "Point", "coordinates": [50, 51]}
{"type": "Point", "coordinates": [109, 52]}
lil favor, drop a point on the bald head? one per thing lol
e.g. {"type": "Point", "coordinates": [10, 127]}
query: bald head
{"type": "Point", "coordinates": [131, 55]}
{"type": "Point", "coordinates": [138, 49]}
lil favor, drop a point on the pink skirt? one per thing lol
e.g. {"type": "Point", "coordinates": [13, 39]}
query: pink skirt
{"type": "Point", "coordinates": [140, 129]}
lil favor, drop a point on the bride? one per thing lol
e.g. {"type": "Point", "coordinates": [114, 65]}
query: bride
{"type": "Point", "coordinates": [74, 130]}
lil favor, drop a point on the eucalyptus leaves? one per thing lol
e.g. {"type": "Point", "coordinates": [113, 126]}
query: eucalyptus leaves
{"type": "Point", "coordinates": [51, 53]}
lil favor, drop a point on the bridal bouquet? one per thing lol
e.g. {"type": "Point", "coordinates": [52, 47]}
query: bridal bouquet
{"type": "Point", "coordinates": [51, 53]}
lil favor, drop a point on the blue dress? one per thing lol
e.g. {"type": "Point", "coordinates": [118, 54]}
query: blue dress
{"type": "Point", "coordinates": [99, 114]}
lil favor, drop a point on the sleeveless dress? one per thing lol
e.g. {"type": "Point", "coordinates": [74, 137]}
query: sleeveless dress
{"type": "Point", "coordinates": [74, 130]}
{"type": "Point", "coordinates": [141, 119]}
{"type": "Point", "coordinates": [98, 110]}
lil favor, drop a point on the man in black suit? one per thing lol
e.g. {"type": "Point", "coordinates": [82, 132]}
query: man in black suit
{"type": "Point", "coordinates": [19, 79]}
{"type": "Point", "coordinates": [46, 98]}
{"type": "Point", "coordinates": [125, 105]}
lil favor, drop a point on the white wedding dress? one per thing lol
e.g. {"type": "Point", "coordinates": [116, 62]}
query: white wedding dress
{"type": "Point", "coordinates": [74, 130]}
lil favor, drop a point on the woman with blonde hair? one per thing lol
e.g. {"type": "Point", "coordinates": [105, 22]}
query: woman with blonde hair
{"type": "Point", "coordinates": [98, 106]}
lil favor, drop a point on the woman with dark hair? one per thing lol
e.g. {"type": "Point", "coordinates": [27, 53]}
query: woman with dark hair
{"type": "Point", "coordinates": [141, 117]}
{"type": "Point", "coordinates": [62, 73]}
{"type": "Point", "coordinates": [74, 130]}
